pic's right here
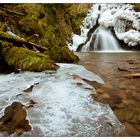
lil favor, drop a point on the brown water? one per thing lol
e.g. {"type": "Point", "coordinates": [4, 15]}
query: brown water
{"type": "Point", "coordinates": [121, 91]}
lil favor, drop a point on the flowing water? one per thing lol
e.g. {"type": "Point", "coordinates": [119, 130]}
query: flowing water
{"type": "Point", "coordinates": [101, 39]}
{"type": "Point", "coordinates": [126, 89]}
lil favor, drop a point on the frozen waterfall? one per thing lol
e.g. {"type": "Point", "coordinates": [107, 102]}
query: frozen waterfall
{"type": "Point", "coordinates": [120, 22]}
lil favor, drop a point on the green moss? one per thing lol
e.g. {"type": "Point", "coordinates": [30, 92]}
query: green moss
{"type": "Point", "coordinates": [137, 7]}
{"type": "Point", "coordinates": [30, 23]}
{"type": "Point", "coordinates": [24, 59]}
{"type": "Point", "coordinates": [62, 54]}
{"type": "Point", "coordinates": [6, 35]}
{"type": "Point", "coordinates": [54, 24]}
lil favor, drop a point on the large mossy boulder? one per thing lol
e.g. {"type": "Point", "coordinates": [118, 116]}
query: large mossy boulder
{"type": "Point", "coordinates": [62, 55]}
{"type": "Point", "coordinates": [24, 59]}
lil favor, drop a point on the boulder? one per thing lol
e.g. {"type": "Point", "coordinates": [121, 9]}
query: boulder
{"type": "Point", "coordinates": [25, 59]}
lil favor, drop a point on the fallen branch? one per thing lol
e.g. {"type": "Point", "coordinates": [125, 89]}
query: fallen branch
{"type": "Point", "coordinates": [11, 12]}
{"type": "Point", "coordinates": [20, 42]}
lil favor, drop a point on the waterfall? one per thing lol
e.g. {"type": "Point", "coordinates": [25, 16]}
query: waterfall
{"type": "Point", "coordinates": [123, 21]}
{"type": "Point", "coordinates": [101, 39]}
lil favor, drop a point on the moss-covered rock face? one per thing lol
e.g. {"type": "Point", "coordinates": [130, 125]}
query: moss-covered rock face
{"type": "Point", "coordinates": [62, 55]}
{"type": "Point", "coordinates": [54, 24]}
{"type": "Point", "coordinates": [24, 59]}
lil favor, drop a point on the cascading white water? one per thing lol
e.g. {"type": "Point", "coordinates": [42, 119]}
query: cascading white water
{"type": "Point", "coordinates": [123, 20]}
{"type": "Point", "coordinates": [101, 39]}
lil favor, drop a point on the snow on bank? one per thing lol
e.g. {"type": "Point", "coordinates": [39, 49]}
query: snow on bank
{"type": "Point", "coordinates": [63, 108]}
{"type": "Point", "coordinates": [122, 17]}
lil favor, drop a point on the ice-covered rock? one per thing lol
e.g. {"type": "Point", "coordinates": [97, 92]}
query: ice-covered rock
{"type": "Point", "coordinates": [62, 107]}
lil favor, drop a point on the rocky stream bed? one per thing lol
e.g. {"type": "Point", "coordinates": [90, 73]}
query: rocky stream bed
{"type": "Point", "coordinates": [121, 73]}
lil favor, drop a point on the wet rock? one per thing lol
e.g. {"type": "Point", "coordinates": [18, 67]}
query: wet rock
{"type": "Point", "coordinates": [83, 85]}
{"type": "Point", "coordinates": [103, 97]}
{"type": "Point", "coordinates": [94, 84]}
{"type": "Point", "coordinates": [14, 119]}
{"type": "Point", "coordinates": [74, 76]}
{"type": "Point", "coordinates": [123, 68]}
{"type": "Point", "coordinates": [29, 89]}
{"type": "Point", "coordinates": [130, 61]}
{"type": "Point", "coordinates": [79, 84]}
{"type": "Point", "coordinates": [132, 75]}
{"type": "Point", "coordinates": [128, 115]}
{"type": "Point", "coordinates": [130, 130]}
{"type": "Point", "coordinates": [31, 103]}
{"type": "Point", "coordinates": [133, 69]}
{"type": "Point", "coordinates": [137, 127]}
{"type": "Point", "coordinates": [120, 114]}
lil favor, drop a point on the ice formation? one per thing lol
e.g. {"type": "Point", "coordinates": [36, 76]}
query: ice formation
{"type": "Point", "coordinates": [124, 20]}
{"type": "Point", "coordinates": [63, 108]}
